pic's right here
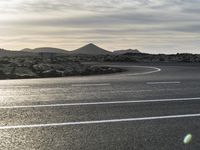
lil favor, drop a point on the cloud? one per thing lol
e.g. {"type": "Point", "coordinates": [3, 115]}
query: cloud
{"type": "Point", "coordinates": [142, 21]}
{"type": "Point", "coordinates": [93, 5]}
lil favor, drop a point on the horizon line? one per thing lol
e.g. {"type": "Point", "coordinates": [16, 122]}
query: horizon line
{"type": "Point", "coordinates": [109, 50]}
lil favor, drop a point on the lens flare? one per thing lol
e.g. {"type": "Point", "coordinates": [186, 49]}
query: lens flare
{"type": "Point", "coordinates": [187, 139]}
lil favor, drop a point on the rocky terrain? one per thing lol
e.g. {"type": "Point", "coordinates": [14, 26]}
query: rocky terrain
{"type": "Point", "coordinates": [138, 58]}
{"type": "Point", "coordinates": [39, 67]}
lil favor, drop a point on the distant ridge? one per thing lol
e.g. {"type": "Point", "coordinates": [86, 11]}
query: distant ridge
{"type": "Point", "coordinates": [120, 52]}
{"type": "Point", "coordinates": [8, 53]}
{"type": "Point", "coordinates": [45, 50]}
{"type": "Point", "coordinates": [91, 49]}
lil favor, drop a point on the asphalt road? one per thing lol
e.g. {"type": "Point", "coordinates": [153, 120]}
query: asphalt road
{"type": "Point", "coordinates": [149, 107]}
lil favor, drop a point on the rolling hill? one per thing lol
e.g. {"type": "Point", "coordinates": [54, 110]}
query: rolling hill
{"type": "Point", "coordinates": [8, 53]}
{"type": "Point", "coordinates": [121, 52]}
{"type": "Point", "coordinates": [45, 50]}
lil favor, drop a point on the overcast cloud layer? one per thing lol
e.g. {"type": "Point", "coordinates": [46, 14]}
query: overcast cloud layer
{"type": "Point", "coordinates": [154, 26]}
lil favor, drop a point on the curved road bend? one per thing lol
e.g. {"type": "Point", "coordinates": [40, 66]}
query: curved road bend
{"type": "Point", "coordinates": [149, 107]}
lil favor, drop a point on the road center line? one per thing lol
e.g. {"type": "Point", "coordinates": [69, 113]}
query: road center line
{"type": "Point", "coordinates": [14, 86]}
{"type": "Point", "coordinates": [95, 84]}
{"type": "Point", "coordinates": [99, 103]}
{"type": "Point", "coordinates": [87, 92]}
{"type": "Point", "coordinates": [173, 82]}
{"type": "Point", "coordinates": [99, 121]}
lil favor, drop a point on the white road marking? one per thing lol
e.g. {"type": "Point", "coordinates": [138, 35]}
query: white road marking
{"type": "Point", "coordinates": [172, 82]}
{"type": "Point", "coordinates": [98, 121]}
{"type": "Point", "coordinates": [99, 103]}
{"type": "Point", "coordinates": [92, 84]}
{"type": "Point", "coordinates": [65, 93]}
{"type": "Point", "coordinates": [128, 91]}
{"type": "Point", "coordinates": [145, 73]}
{"type": "Point", "coordinates": [54, 88]}
{"type": "Point", "coordinates": [14, 86]}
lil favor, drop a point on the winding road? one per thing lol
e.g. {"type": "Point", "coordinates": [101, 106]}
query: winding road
{"type": "Point", "coordinates": [149, 107]}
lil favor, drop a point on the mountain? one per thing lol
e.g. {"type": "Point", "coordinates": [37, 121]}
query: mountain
{"type": "Point", "coordinates": [121, 52]}
{"type": "Point", "coordinates": [45, 50]}
{"type": "Point", "coordinates": [91, 49]}
{"type": "Point", "coordinates": [9, 53]}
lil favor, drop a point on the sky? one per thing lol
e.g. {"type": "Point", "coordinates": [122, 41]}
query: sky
{"type": "Point", "coordinates": [152, 26]}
